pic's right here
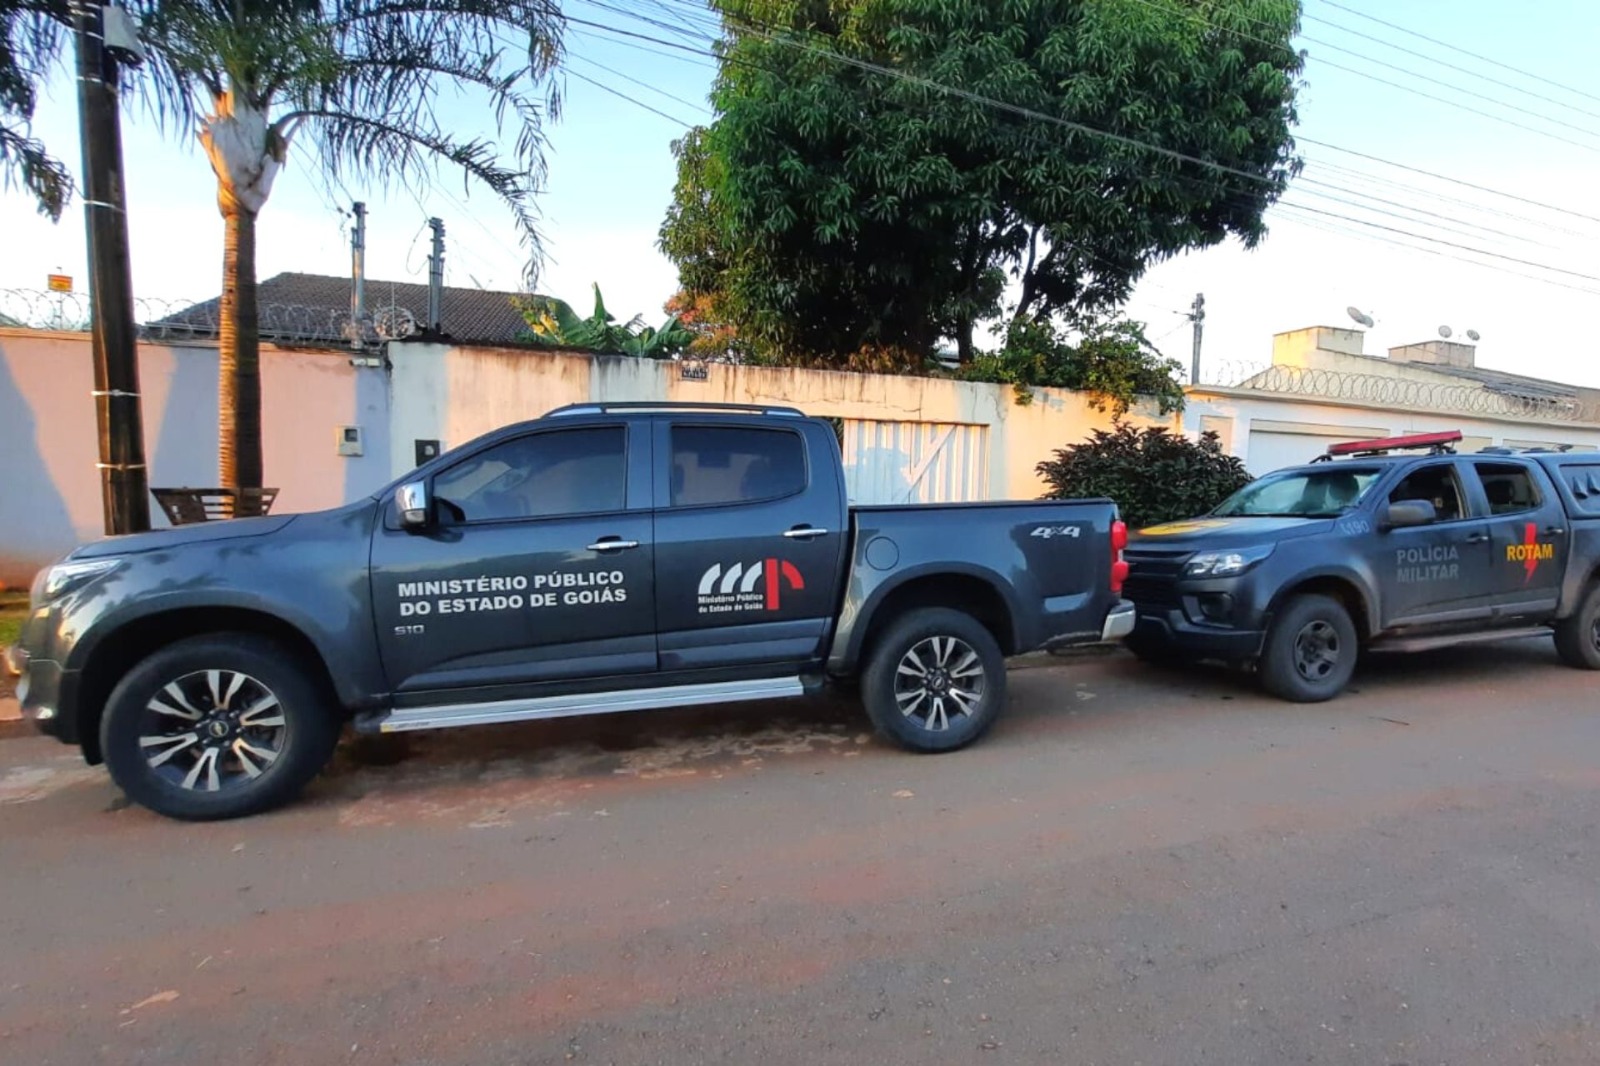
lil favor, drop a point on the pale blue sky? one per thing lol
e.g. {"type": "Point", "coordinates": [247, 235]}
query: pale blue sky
{"type": "Point", "coordinates": [611, 175]}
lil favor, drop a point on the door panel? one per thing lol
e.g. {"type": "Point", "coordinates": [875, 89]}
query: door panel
{"type": "Point", "coordinates": [1528, 537]}
{"type": "Point", "coordinates": [747, 547]}
{"type": "Point", "coordinates": [1435, 573]}
{"type": "Point", "coordinates": [514, 584]}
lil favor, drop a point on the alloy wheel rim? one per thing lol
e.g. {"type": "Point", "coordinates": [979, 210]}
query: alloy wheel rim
{"type": "Point", "coordinates": [939, 681]}
{"type": "Point", "coordinates": [1316, 650]}
{"type": "Point", "coordinates": [212, 731]}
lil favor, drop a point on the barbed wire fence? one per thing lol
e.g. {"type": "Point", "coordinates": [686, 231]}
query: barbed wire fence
{"type": "Point", "coordinates": [177, 320]}
{"type": "Point", "coordinates": [1531, 402]}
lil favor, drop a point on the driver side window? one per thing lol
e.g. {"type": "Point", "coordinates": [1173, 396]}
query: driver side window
{"type": "Point", "coordinates": [1437, 485]}
{"type": "Point", "coordinates": [541, 475]}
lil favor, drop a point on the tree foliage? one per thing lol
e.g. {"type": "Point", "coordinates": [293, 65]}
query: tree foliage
{"type": "Point", "coordinates": [859, 186]}
{"type": "Point", "coordinates": [1111, 359]}
{"type": "Point", "coordinates": [552, 323]}
{"type": "Point", "coordinates": [31, 36]}
{"type": "Point", "coordinates": [1153, 475]}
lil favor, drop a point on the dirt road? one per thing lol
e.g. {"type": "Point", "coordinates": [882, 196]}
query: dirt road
{"type": "Point", "coordinates": [1133, 868]}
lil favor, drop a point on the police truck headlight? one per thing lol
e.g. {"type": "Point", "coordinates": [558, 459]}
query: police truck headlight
{"type": "Point", "coordinates": [1226, 563]}
{"type": "Point", "coordinates": [64, 577]}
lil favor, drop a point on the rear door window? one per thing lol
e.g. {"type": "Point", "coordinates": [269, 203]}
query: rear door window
{"type": "Point", "coordinates": [1509, 488]}
{"type": "Point", "coordinates": [714, 465]}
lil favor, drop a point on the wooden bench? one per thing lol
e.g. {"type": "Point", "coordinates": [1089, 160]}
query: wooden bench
{"type": "Point", "coordinates": [187, 506]}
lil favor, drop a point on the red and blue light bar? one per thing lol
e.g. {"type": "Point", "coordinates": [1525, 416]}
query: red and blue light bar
{"type": "Point", "coordinates": [1379, 445]}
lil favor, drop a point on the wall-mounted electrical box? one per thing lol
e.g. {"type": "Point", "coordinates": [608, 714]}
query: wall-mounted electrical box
{"type": "Point", "coordinates": [427, 451]}
{"type": "Point", "coordinates": [350, 440]}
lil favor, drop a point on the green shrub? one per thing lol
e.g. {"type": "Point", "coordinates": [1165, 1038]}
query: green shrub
{"type": "Point", "coordinates": [1153, 475]}
{"type": "Point", "coordinates": [1111, 360]}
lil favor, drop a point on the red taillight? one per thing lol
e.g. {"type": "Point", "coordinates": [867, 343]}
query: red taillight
{"type": "Point", "coordinates": [1119, 568]}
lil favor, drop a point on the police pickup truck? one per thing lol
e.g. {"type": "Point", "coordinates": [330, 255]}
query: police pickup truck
{"type": "Point", "coordinates": [602, 558]}
{"type": "Point", "coordinates": [1375, 546]}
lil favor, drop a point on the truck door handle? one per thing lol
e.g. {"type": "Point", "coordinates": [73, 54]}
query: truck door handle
{"type": "Point", "coordinates": [1553, 531]}
{"type": "Point", "coordinates": [1478, 538]}
{"type": "Point", "coordinates": [612, 544]}
{"type": "Point", "coordinates": [805, 532]}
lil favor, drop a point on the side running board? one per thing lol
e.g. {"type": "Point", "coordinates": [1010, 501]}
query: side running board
{"type": "Point", "coordinates": [637, 699]}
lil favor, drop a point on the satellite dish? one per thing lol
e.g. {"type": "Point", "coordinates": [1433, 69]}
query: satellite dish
{"type": "Point", "coordinates": [1445, 331]}
{"type": "Point", "coordinates": [1359, 315]}
{"type": "Point", "coordinates": [1473, 334]}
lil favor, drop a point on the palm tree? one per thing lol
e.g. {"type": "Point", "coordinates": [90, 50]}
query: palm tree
{"type": "Point", "coordinates": [30, 42]}
{"type": "Point", "coordinates": [357, 83]}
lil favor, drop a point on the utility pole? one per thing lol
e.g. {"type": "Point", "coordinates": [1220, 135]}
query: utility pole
{"type": "Point", "coordinates": [358, 275]}
{"type": "Point", "coordinates": [1197, 316]}
{"type": "Point", "coordinates": [123, 481]}
{"type": "Point", "coordinates": [436, 278]}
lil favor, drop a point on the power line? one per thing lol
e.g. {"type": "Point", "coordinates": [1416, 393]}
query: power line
{"type": "Point", "coordinates": [1196, 17]}
{"type": "Point", "coordinates": [637, 103]}
{"type": "Point", "coordinates": [642, 84]}
{"type": "Point", "coordinates": [1414, 53]}
{"type": "Point", "coordinates": [1463, 51]}
{"type": "Point", "coordinates": [1453, 181]}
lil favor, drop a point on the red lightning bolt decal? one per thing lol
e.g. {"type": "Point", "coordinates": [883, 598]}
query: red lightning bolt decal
{"type": "Point", "coordinates": [1531, 562]}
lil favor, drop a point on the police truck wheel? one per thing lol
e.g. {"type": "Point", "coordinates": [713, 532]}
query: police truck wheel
{"type": "Point", "coordinates": [935, 681]}
{"type": "Point", "coordinates": [217, 727]}
{"type": "Point", "coordinates": [1310, 651]}
{"type": "Point", "coordinates": [1578, 636]}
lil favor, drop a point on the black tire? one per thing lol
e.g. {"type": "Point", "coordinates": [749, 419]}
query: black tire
{"type": "Point", "coordinates": [930, 713]}
{"type": "Point", "coordinates": [1310, 651]}
{"type": "Point", "coordinates": [262, 726]}
{"type": "Point", "coordinates": [1578, 636]}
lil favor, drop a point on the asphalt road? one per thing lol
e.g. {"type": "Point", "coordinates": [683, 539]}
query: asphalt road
{"type": "Point", "coordinates": [1133, 869]}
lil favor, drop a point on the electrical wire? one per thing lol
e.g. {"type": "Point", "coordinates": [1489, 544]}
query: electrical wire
{"type": "Point", "coordinates": [1200, 19]}
{"type": "Point", "coordinates": [1463, 51]}
{"type": "Point", "coordinates": [643, 85]}
{"type": "Point", "coordinates": [619, 93]}
{"type": "Point", "coordinates": [1415, 54]}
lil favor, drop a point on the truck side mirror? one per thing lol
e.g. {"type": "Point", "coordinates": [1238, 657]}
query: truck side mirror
{"type": "Point", "coordinates": [1408, 513]}
{"type": "Point", "coordinates": [411, 501]}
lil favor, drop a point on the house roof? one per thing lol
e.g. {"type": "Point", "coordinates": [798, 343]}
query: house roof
{"type": "Point", "coordinates": [315, 309]}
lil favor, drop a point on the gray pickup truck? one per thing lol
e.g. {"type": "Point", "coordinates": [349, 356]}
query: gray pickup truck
{"type": "Point", "coordinates": [602, 558]}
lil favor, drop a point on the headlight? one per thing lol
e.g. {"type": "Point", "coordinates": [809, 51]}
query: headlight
{"type": "Point", "coordinates": [1226, 563]}
{"type": "Point", "coordinates": [64, 577]}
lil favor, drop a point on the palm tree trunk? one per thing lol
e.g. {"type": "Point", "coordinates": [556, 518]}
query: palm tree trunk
{"type": "Point", "coordinates": [239, 366]}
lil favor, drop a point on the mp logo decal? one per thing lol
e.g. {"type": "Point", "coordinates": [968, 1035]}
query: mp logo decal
{"type": "Point", "coordinates": [756, 587]}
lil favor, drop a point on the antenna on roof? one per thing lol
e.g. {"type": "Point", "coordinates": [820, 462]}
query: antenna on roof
{"type": "Point", "coordinates": [1445, 331]}
{"type": "Point", "coordinates": [1474, 335]}
{"type": "Point", "coordinates": [1360, 316]}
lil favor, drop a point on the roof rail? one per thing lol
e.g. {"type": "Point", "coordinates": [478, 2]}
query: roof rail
{"type": "Point", "coordinates": [600, 408]}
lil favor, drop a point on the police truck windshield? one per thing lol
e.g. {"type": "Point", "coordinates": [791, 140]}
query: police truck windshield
{"type": "Point", "coordinates": [1300, 494]}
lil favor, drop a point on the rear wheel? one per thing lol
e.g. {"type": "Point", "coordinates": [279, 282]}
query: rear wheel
{"type": "Point", "coordinates": [1310, 651]}
{"type": "Point", "coordinates": [1578, 635]}
{"type": "Point", "coordinates": [217, 727]}
{"type": "Point", "coordinates": [936, 681]}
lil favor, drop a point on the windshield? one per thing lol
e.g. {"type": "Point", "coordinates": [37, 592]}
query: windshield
{"type": "Point", "coordinates": [1300, 494]}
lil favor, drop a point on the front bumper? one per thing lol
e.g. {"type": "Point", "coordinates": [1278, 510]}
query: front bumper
{"type": "Point", "coordinates": [1169, 629]}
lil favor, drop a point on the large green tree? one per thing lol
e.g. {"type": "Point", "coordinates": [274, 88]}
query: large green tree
{"type": "Point", "coordinates": [879, 170]}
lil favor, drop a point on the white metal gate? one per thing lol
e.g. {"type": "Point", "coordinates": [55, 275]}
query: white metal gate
{"type": "Point", "coordinates": [915, 462]}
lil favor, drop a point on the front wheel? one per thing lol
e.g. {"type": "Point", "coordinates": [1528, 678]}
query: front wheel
{"type": "Point", "coordinates": [1578, 635]}
{"type": "Point", "coordinates": [1310, 651]}
{"type": "Point", "coordinates": [936, 681]}
{"type": "Point", "coordinates": [217, 727]}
